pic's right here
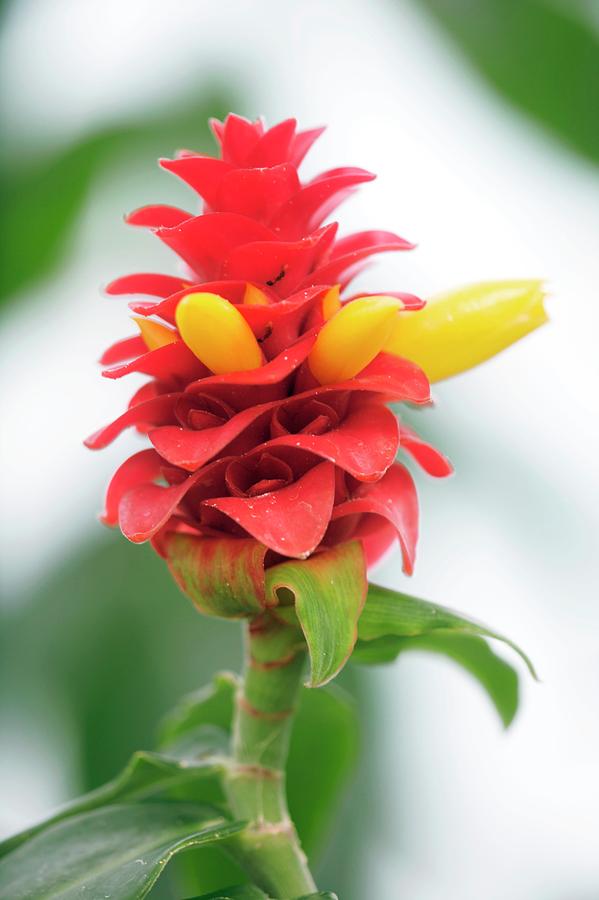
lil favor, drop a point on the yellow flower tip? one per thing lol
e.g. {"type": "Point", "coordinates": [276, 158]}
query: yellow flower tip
{"type": "Point", "coordinates": [352, 338]}
{"type": "Point", "coordinates": [154, 334]}
{"type": "Point", "coordinates": [460, 329]}
{"type": "Point", "coordinates": [216, 332]}
{"type": "Point", "coordinates": [331, 302]}
{"type": "Point", "coordinates": [253, 296]}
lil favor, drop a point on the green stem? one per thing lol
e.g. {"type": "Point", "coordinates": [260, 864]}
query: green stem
{"type": "Point", "coordinates": [268, 849]}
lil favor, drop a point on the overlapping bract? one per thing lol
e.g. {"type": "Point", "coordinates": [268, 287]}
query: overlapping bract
{"type": "Point", "coordinates": [271, 451]}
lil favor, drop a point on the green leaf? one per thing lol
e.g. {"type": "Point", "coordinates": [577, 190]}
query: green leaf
{"type": "Point", "coordinates": [211, 705]}
{"type": "Point", "coordinates": [118, 852]}
{"type": "Point", "coordinates": [393, 622]}
{"type": "Point", "coordinates": [191, 733]}
{"type": "Point", "coordinates": [329, 590]}
{"type": "Point", "coordinates": [146, 775]}
{"type": "Point", "coordinates": [388, 612]}
{"type": "Point", "coordinates": [325, 895]}
{"type": "Point", "coordinates": [540, 55]}
{"type": "Point", "coordinates": [326, 729]}
{"type": "Point", "coordinates": [240, 892]}
{"type": "Point", "coordinates": [251, 892]}
{"type": "Point", "coordinates": [473, 653]}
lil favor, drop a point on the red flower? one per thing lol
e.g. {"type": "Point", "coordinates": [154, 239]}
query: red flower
{"type": "Point", "coordinates": [266, 409]}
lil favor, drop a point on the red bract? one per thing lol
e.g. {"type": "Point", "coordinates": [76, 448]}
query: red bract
{"type": "Point", "coordinates": [267, 452]}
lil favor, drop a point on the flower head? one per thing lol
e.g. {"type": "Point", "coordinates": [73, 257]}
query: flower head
{"type": "Point", "coordinates": [266, 407]}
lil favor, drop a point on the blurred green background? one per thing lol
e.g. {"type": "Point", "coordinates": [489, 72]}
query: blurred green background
{"type": "Point", "coordinates": [96, 643]}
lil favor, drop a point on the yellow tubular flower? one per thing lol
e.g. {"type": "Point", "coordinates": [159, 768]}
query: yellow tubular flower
{"type": "Point", "coordinates": [154, 334]}
{"type": "Point", "coordinates": [352, 338]}
{"type": "Point", "coordinates": [253, 296]}
{"type": "Point", "coordinates": [460, 329]}
{"type": "Point", "coordinates": [216, 332]}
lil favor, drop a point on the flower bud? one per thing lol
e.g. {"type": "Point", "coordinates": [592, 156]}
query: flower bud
{"type": "Point", "coordinates": [460, 329]}
{"type": "Point", "coordinates": [216, 332]}
{"type": "Point", "coordinates": [352, 338]}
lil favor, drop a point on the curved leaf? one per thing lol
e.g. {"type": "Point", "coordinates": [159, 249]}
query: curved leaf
{"type": "Point", "coordinates": [119, 851]}
{"type": "Point", "coordinates": [329, 590]}
{"type": "Point", "coordinates": [146, 775]}
{"type": "Point", "coordinates": [393, 622]}
{"type": "Point", "coordinates": [388, 612]}
{"type": "Point", "coordinates": [473, 653]}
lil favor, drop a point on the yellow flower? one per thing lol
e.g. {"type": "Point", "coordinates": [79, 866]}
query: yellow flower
{"type": "Point", "coordinates": [216, 332]}
{"type": "Point", "coordinates": [352, 337]}
{"type": "Point", "coordinates": [462, 328]}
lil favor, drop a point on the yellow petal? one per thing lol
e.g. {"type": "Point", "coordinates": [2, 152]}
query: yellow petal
{"type": "Point", "coordinates": [216, 332]}
{"type": "Point", "coordinates": [254, 296]}
{"type": "Point", "coordinates": [331, 302]}
{"type": "Point", "coordinates": [154, 334]}
{"type": "Point", "coordinates": [460, 329]}
{"type": "Point", "coordinates": [352, 338]}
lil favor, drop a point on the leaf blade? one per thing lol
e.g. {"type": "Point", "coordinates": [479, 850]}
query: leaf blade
{"type": "Point", "coordinates": [327, 728]}
{"type": "Point", "coordinates": [389, 612]}
{"type": "Point", "coordinates": [146, 775]}
{"type": "Point", "coordinates": [210, 705]}
{"type": "Point", "coordinates": [471, 652]}
{"type": "Point", "coordinates": [251, 892]}
{"type": "Point", "coordinates": [120, 850]}
{"type": "Point", "coordinates": [237, 892]}
{"type": "Point", "coordinates": [392, 623]}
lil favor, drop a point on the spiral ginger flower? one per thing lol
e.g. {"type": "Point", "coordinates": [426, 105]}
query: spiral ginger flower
{"type": "Point", "coordinates": [266, 406]}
